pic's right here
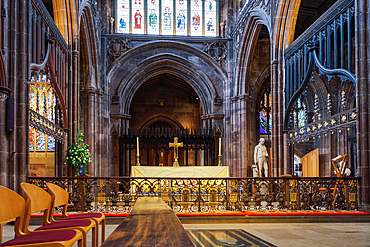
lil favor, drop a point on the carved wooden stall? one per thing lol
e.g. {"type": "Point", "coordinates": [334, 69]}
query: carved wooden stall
{"type": "Point", "coordinates": [154, 147]}
{"type": "Point", "coordinates": [320, 87]}
{"type": "Point", "coordinates": [48, 78]}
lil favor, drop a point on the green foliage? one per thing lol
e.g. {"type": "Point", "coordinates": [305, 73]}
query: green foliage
{"type": "Point", "coordinates": [78, 154]}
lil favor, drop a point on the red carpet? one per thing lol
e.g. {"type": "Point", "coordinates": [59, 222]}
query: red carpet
{"type": "Point", "coordinates": [239, 213]}
{"type": "Point", "coordinates": [303, 212]}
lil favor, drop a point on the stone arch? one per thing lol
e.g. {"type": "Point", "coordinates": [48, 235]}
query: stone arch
{"type": "Point", "coordinates": [88, 46]}
{"type": "Point", "coordinates": [65, 17]}
{"type": "Point", "coordinates": [260, 83]}
{"type": "Point", "coordinates": [171, 57]}
{"type": "Point", "coordinates": [161, 117]}
{"type": "Point", "coordinates": [253, 25]}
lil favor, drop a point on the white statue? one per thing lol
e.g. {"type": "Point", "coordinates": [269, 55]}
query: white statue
{"type": "Point", "coordinates": [260, 158]}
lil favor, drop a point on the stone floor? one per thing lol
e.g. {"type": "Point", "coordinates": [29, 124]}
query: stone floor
{"type": "Point", "coordinates": [278, 234]}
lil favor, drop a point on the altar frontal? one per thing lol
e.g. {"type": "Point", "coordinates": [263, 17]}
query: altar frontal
{"type": "Point", "coordinates": [180, 171]}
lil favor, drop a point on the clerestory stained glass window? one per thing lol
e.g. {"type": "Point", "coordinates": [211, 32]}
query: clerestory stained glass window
{"type": "Point", "coordinates": [153, 16]}
{"type": "Point", "coordinates": [167, 17]}
{"type": "Point", "coordinates": [138, 16]}
{"type": "Point", "coordinates": [123, 16]}
{"type": "Point", "coordinates": [181, 17]}
{"type": "Point", "coordinates": [210, 17]}
{"type": "Point", "coordinates": [265, 112]}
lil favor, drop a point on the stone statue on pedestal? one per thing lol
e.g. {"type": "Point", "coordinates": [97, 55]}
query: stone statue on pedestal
{"type": "Point", "coordinates": [260, 159]}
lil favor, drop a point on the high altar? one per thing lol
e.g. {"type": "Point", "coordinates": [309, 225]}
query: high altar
{"type": "Point", "coordinates": [180, 171]}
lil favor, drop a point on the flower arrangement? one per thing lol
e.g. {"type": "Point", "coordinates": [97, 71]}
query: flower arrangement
{"type": "Point", "coordinates": [78, 155]}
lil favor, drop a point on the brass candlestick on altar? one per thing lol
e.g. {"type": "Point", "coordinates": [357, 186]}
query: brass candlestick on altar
{"type": "Point", "coordinates": [138, 152]}
{"type": "Point", "coordinates": [175, 145]}
{"type": "Point", "coordinates": [219, 152]}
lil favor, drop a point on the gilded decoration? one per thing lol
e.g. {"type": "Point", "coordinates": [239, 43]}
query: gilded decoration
{"type": "Point", "coordinates": [338, 122]}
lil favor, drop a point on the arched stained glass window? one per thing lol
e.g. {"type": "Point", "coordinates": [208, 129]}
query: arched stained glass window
{"type": "Point", "coordinates": [265, 112]}
{"type": "Point", "coordinates": [43, 102]}
{"type": "Point", "coordinates": [167, 17]}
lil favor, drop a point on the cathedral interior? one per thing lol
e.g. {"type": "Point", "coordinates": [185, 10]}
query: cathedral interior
{"type": "Point", "coordinates": [218, 74]}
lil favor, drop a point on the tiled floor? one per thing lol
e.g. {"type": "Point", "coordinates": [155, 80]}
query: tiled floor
{"type": "Point", "coordinates": [278, 234]}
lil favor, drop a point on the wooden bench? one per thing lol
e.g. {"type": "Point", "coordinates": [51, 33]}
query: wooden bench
{"type": "Point", "coordinates": [151, 223]}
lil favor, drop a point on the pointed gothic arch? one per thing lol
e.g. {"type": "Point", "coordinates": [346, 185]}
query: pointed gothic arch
{"type": "Point", "coordinates": [249, 38]}
{"type": "Point", "coordinates": [126, 77]}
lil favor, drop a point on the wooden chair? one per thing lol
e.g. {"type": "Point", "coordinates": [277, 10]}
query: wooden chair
{"type": "Point", "coordinates": [38, 200]}
{"type": "Point", "coordinates": [59, 197]}
{"type": "Point", "coordinates": [12, 206]}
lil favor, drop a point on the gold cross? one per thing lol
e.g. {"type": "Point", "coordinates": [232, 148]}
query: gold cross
{"type": "Point", "coordinates": [176, 146]}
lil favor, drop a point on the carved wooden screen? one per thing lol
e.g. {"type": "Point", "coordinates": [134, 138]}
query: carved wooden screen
{"type": "Point", "coordinates": [48, 75]}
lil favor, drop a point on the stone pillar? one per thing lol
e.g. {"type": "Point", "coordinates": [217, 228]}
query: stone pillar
{"type": "Point", "coordinates": [91, 130]}
{"type": "Point", "coordinates": [246, 127]}
{"type": "Point", "coordinates": [75, 103]}
{"type": "Point", "coordinates": [362, 56]}
{"type": "Point", "coordinates": [275, 118]}
{"type": "Point", "coordinates": [18, 72]}
{"type": "Point", "coordinates": [281, 137]}
{"type": "Point", "coordinates": [4, 142]}
{"type": "Point", "coordinates": [234, 145]}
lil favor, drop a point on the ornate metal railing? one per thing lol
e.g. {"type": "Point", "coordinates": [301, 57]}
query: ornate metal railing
{"type": "Point", "coordinates": [209, 194]}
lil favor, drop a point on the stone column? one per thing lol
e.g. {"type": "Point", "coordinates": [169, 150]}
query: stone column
{"type": "Point", "coordinates": [234, 136]}
{"type": "Point", "coordinates": [362, 56]}
{"type": "Point", "coordinates": [4, 142]}
{"type": "Point", "coordinates": [275, 118]}
{"type": "Point", "coordinates": [18, 64]}
{"type": "Point", "coordinates": [281, 137]}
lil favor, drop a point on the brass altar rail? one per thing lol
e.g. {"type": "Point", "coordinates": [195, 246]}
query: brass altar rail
{"type": "Point", "coordinates": [209, 194]}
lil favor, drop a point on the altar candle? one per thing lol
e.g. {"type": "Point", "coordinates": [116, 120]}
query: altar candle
{"type": "Point", "coordinates": [219, 146]}
{"type": "Point", "coordinates": [137, 141]}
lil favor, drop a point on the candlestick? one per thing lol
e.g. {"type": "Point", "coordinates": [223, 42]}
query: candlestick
{"type": "Point", "coordinates": [137, 142]}
{"type": "Point", "coordinates": [219, 146]}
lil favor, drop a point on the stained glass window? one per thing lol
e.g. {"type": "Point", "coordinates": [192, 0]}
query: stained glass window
{"type": "Point", "coordinates": [40, 140]}
{"type": "Point", "coordinates": [210, 16]}
{"type": "Point", "coordinates": [123, 16]}
{"type": "Point", "coordinates": [265, 112]}
{"type": "Point", "coordinates": [32, 138]}
{"type": "Point", "coordinates": [167, 17]}
{"type": "Point", "coordinates": [181, 17]}
{"type": "Point", "coordinates": [42, 101]}
{"type": "Point", "coordinates": [153, 16]}
{"type": "Point", "coordinates": [137, 16]}
{"type": "Point", "coordinates": [196, 17]}
{"type": "Point", "coordinates": [299, 114]}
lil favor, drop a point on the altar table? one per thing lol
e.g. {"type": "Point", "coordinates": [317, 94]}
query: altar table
{"type": "Point", "coordinates": [180, 171]}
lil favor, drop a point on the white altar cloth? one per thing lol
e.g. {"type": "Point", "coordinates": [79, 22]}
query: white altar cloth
{"type": "Point", "coordinates": [180, 171]}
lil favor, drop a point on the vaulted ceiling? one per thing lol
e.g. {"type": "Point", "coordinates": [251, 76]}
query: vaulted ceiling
{"type": "Point", "coordinates": [169, 80]}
